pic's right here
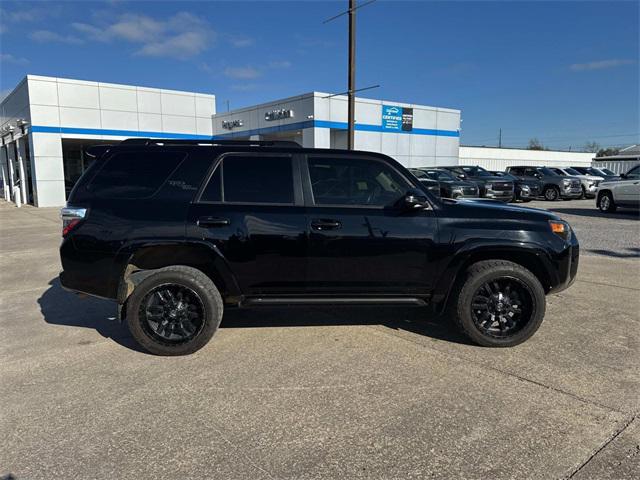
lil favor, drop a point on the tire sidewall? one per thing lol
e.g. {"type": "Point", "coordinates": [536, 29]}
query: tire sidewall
{"type": "Point", "coordinates": [556, 194]}
{"type": "Point", "coordinates": [603, 208]}
{"type": "Point", "coordinates": [473, 283]}
{"type": "Point", "coordinates": [212, 312]}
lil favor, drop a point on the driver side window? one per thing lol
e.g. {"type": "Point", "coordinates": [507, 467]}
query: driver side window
{"type": "Point", "coordinates": [355, 181]}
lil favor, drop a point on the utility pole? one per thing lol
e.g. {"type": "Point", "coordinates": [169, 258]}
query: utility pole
{"type": "Point", "coordinates": [352, 76]}
{"type": "Point", "coordinates": [352, 68]}
{"type": "Point", "coordinates": [500, 139]}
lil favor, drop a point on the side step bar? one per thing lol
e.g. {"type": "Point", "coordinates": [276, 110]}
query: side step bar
{"type": "Point", "coordinates": [259, 301]}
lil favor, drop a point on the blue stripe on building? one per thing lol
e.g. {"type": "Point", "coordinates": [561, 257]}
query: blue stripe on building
{"type": "Point", "coordinates": [243, 133]}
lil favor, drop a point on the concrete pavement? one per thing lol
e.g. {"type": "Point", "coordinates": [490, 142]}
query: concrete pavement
{"type": "Point", "coordinates": [310, 393]}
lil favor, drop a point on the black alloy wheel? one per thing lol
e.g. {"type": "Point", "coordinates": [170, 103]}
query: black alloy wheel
{"type": "Point", "coordinates": [502, 307]}
{"type": "Point", "coordinates": [172, 313]}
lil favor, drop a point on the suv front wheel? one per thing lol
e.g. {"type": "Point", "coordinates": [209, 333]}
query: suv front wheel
{"type": "Point", "coordinates": [500, 304]}
{"type": "Point", "coordinates": [606, 202]}
{"type": "Point", "coordinates": [174, 311]}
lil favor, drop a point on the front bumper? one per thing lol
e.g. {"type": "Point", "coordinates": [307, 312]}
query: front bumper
{"type": "Point", "coordinates": [591, 191]}
{"type": "Point", "coordinates": [566, 266]}
{"type": "Point", "coordinates": [571, 192]}
{"type": "Point", "coordinates": [503, 195]}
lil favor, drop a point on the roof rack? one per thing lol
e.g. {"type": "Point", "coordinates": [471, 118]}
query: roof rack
{"type": "Point", "coordinates": [212, 142]}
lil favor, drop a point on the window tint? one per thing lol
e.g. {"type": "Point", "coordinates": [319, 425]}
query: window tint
{"type": "Point", "coordinates": [354, 181]}
{"type": "Point", "coordinates": [254, 179]}
{"type": "Point", "coordinates": [634, 172]}
{"type": "Point", "coordinates": [213, 191]}
{"type": "Point", "coordinates": [134, 174]}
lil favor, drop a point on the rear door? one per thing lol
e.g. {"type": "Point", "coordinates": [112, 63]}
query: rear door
{"type": "Point", "coordinates": [360, 242]}
{"type": "Point", "coordinates": [251, 210]}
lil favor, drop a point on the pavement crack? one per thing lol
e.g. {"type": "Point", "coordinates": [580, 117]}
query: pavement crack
{"type": "Point", "coordinates": [501, 371]}
{"type": "Point", "coordinates": [616, 433]}
{"type": "Point", "coordinates": [579, 280]}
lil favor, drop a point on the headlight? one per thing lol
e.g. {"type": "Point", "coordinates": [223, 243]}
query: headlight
{"type": "Point", "coordinates": [525, 188]}
{"type": "Point", "coordinates": [560, 228]}
{"type": "Point", "coordinates": [488, 186]}
{"type": "Point", "coordinates": [566, 182]}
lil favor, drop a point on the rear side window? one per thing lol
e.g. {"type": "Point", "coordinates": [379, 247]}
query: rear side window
{"type": "Point", "coordinates": [134, 174]}
{"type": "Point", "coordinates": [251, 179]}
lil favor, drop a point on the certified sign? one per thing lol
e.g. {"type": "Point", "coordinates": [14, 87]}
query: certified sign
{"type": "Point", "coordinates": [396, 119]}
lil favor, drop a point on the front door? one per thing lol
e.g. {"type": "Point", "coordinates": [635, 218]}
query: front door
{"type": "Point", "coordinates": [360, 242]}
{"type": "Point", "coordinates": [251, 211]}
{"type": "Point", "coordinates": [628, 190]}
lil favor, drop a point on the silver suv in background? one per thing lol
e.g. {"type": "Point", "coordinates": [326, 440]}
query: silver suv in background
{"type": "Point", "coordinates": [605, 173]}
{"type": "Point", "coordinates": [589, 182]}
{"type": "Point", "coordinates": [554, 185]}
{"type": "Point", "coordinates": [620, 193]}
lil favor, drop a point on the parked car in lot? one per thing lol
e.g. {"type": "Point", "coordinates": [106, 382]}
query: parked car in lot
{"type": "Point", "coordinates": [605, 173]}
{"type": "Point", "coordinates": [620, 193]}
{"type": "Point", "coordinates": [431, 186]}
{"type": "Point", "coordinates": [554, 185]}
{"type": "Point", "coordinates": [176, 231]}
{"type": "Point", "coordinates": [489, 186]}
{"type": "Point", "coordinates": [524, 190]}
{"type": "Point", "coordinates": [450, 186]}
{"type": "Point", "coordinates": [589, 183]}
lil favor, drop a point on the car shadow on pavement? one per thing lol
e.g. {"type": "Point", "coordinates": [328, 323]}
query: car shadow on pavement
{"type": "Point", "coordinates": [418, 320]}
{"type": "Point", "coordinates": [583, 212]}
{"type": "Point", "coordinates": [60, 307]}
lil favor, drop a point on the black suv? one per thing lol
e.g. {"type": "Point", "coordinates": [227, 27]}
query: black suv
{"type": "Point", "coordinates": [489, 185]}
{"type": "Point", "coordinates": [450, 186]}
{"type": "Point", "coordinates": [524, 190]}
{"type": "Point", "coordinates": [175, 231]}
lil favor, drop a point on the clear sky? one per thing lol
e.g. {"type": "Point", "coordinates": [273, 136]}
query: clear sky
{"type": "Point", "coordinates": [564, 72]}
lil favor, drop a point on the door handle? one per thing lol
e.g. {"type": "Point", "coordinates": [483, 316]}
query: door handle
{"type": "Point", "coordinates": [213, 222]}
{"type": "Point", "coordinates": [324, 224]}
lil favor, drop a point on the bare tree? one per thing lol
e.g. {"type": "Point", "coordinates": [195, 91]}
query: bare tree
{"type": "Point", "coordinates": [591, 147]}
{"type": "Point", "coordinates": [535, 144]}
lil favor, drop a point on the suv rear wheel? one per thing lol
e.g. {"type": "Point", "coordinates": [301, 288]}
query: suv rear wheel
{"type": "Point", "coordinates": [174, 311]}
{"type": "Point", "coordinates": [500, 304]}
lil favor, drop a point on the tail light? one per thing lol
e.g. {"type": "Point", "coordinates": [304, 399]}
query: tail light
{"type": "Point", "coordinates": [71, 218]}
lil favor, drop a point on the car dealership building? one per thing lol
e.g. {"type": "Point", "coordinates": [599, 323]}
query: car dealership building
{"type": "Point", "coordinates": [46, 122]}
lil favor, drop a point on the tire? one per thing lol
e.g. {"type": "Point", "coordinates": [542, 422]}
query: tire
{"type": "Point", "coordinates": [174, 302]}
{"type": "Point", "coordinates": [606, 202]}
{"type": "Point", "coordinates": [551, 193]}
{"type": "Point", "coordinates": [525, 318]}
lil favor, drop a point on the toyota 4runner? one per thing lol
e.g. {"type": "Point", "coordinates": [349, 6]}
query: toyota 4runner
{"type": "Point", "coordinates": [176, 231]}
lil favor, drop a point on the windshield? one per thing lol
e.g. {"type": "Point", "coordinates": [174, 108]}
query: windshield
{"type": "Point", "coordinates": [476, 172]}
{"type": "Point", "coordinates": [606, 171]}
{"type": "Point", "coordinates": [571, 171]}
{"type": "Point", "coordinates": [548, 172]}
{"type": "Point", "coordinates": [440, 175]}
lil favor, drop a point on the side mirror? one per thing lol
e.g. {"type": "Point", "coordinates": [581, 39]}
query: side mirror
{"type": "Point", "coordinates": [415, 199]}
{"type": "Point", "coordinates": [623, 176]}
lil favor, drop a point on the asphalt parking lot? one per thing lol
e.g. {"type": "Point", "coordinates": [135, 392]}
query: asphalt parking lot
{"type": "Point", "coordinates": [321, 393]}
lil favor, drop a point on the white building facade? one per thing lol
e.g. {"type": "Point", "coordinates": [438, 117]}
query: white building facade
{"type": "Point", "coordinates": [415, 135]}
{"type": "Point", "coordinates": [46, 122]}
{"type": "Point", "coordinates": [501, 158]}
